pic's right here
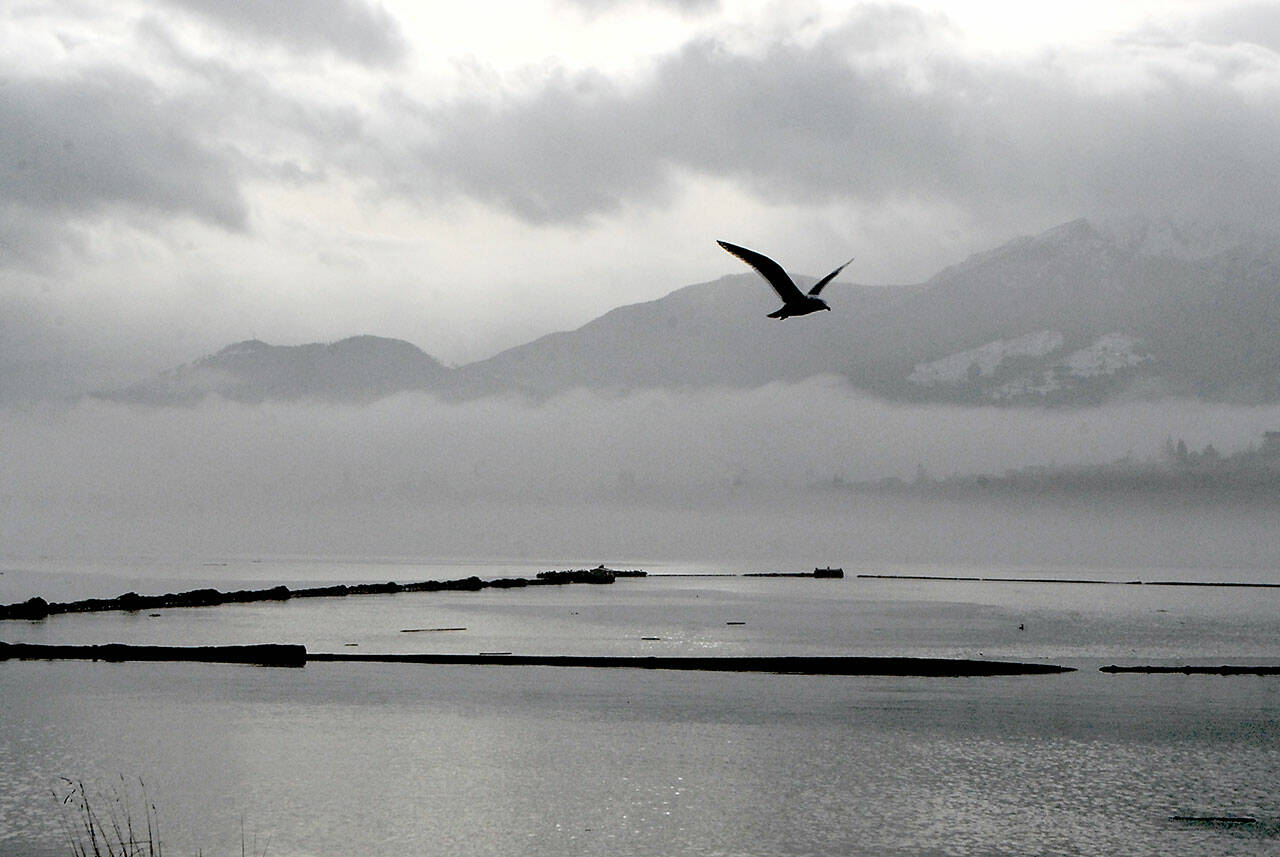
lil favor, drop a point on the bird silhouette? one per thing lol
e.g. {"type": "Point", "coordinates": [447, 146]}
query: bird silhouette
{"type": "Point", "coordinates": [794, 301]}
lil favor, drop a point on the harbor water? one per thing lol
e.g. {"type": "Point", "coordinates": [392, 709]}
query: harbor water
{"type": "Point", "coordinates": [394, 759]}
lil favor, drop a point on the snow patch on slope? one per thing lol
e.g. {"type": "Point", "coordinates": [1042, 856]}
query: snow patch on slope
{"type": "Point", "coordinates": [956, 368]}
{"type": "Point", "coordinates": [1108, 355]}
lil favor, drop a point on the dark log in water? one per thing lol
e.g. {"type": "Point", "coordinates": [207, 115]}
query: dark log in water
{"type": "Point", "coordinates": [38, 608]}
{"type": "Point", "coordinates": [297, 655]}
{"type": "Point", "coordinates": [270, 655]}
{"type": "Point", "coordinates": [830, 665]}
{"type": "Point", "coordinates": [427, 630]}
{"type": "Point", "coordinates": [1190, 670]}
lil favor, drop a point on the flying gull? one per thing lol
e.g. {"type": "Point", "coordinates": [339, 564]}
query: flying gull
{"type": "Point", "coordinates": [794, 301]}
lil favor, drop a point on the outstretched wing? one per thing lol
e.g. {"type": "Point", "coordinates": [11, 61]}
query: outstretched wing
{"type": "Point", "coordinates": [768, 269]}
{"type": "Point", "coordinates": [817, 287]}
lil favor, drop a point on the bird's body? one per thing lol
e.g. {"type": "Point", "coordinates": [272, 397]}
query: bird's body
{"type": "Point", "coordinates": [803, 306]}
{"type": "Point", "coordinates": [794, 301]}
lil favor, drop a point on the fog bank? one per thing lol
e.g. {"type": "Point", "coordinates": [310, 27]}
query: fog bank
{"type": "Point", "coordinates": [693, 475]}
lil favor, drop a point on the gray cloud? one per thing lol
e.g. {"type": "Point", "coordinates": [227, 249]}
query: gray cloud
{"type": "Point", "coordinates": [351, 29]}
{"type": "Point", "coordinates": [595, 7]}
{"type": "Point", "coordinates": [80, 146]}
{"type": "Point", "coordinates": [838, 121]}
{"type": "Point", "coordinates": [273, 131]}
{"type": "Point", "coordinates": [108, 141]}
{"type": "Point", "coordinates": [1253, 23]}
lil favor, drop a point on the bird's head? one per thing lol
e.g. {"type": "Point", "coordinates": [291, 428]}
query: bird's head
{"type": "Point", "coordinates": [825, 305]}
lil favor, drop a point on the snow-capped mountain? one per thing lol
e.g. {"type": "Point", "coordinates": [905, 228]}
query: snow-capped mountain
{"type": "Point", "coordinates": [1074, 315]}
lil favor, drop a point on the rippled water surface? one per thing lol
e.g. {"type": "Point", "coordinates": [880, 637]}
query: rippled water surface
{"type": "Point", "coordinates": [390, 759]}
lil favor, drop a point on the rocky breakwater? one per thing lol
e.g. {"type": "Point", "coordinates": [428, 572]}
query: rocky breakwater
{"type": "Point", "coordinates": [819, 573]}
{"type": "Point", "coordinates": [38, 608]}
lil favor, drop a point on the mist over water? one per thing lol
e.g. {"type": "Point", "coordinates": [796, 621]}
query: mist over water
{"type": "Point", "coordinates": [714, 475]}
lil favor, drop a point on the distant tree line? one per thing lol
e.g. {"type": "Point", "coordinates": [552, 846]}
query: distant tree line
{"type": "Point", "coordinates": [1253, 473]}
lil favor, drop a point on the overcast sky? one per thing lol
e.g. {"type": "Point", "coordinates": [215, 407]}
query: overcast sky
{"type": "Point", "coordinates": [176, 175]}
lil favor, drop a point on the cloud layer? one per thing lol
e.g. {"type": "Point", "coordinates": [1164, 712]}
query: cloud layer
{"type": "Point", "coordinates": [349, 28]}
{"type": "Point", "coordinates": [882, 108]}
{"type": "Point", "coordinates": [88, 146]}
{"type": "Point", "coordinates": [1175, 130]}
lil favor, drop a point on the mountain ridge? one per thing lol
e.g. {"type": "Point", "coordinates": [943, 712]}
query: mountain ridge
{"type": "Point", "coordinates": [1074, 315]}
{"type": "Point", "coordinates": [358, 368]}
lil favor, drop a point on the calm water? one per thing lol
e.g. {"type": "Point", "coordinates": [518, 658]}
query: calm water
{"type": "Point", "coordinates": [386, 759]}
